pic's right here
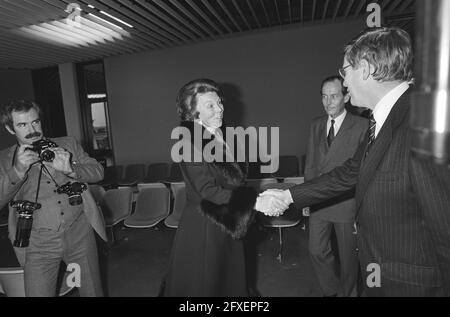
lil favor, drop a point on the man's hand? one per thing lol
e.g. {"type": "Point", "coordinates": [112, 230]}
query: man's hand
{"type": "Point", "coordinates": [61, 162]}
{"type": "Point", "coordinates": [281, 194]}
{"type": "Point", "coordinates": [24, 159]}
{"type": "Point", "coordinates": [271, 205]}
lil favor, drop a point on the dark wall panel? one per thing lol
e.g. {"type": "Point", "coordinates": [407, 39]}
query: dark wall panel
{"type": "Point", "coordinates": [47, 91]}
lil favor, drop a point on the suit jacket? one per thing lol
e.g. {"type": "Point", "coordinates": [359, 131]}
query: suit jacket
{"type": "Point", "coordinates": [321, 158]}
{"type": "Point", "coordinates": [87, 170]}
{"type": "Point", "coordinates": [403, 210]}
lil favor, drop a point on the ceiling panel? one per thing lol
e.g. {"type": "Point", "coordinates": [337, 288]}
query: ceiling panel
{"type": "Point", "coordinates": [37, 33]}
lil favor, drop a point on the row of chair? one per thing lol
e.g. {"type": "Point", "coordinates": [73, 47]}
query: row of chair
{"type": "Point", "coordinates": [130, 175]}
{"type": "Point", "coordinates": [155, 202]}
{"type": "Point", "coordinates": [119, 175]}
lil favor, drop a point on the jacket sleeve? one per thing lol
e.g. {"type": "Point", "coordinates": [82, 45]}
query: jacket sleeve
{"type": "Point", "coordinates": [230, 209]}
{"type": "Point", "coordinates": [10, 183]}
{"type": "Point", "coordinates": [329, 185]}
{"type": "Point", "coordinates": [431, 186]}
{"type": "Point", "coordinates": [86, 168]}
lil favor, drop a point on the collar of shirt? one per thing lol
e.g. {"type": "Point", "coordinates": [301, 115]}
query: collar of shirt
{"type": "Point", "coordinates": [337, 122]}
{"type": "Point", "coordinates": [385, 105]}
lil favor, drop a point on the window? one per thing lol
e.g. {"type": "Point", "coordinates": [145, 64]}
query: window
{"type": "Point", "coordinates": [94, 111]}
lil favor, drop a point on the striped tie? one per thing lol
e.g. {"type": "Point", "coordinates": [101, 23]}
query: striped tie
{"type": "Point", "coordinates": [372, 125]}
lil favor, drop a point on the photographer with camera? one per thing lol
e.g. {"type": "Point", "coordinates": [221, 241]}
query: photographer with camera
{"type": "Point", "coordinates": [51, 215]}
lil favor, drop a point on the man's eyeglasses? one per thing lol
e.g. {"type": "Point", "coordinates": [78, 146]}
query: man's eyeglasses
{"type": "Point", "coordinates": [342, 71]}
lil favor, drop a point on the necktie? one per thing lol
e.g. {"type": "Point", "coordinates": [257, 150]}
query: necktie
{"type": "Point", "coordinates": [330, 136]}
{"type": "Point", "coordinates": [372, 125]}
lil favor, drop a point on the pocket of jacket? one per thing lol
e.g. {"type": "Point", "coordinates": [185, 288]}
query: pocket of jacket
{"type": "Point", "coordinates": [411, 274]}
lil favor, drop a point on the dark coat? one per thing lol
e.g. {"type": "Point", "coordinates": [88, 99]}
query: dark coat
{"type": "Point", "coordinates": [403, 205]}
{"type": "Point", "coordinates": [208, 256]}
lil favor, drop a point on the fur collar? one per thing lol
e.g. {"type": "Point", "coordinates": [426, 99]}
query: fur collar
{"type": "Point", "coordinates": [233, 172]}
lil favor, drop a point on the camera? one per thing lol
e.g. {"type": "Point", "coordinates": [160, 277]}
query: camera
{"type": "Point", "coordinates": [73, 190]}
{"type": "Point", "coordinates": [41, 147]}
{"type": "Point", "coordinates": [25, 222]}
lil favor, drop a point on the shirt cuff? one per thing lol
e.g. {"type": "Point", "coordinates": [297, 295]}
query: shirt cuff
{"type": "Point", "coordinates": [289, 197]}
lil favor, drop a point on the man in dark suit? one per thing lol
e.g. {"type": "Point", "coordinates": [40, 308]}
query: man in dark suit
{"type": "Point", "coordinates": [402, 202]}
{"type": "Point", "coordinates": [333, 139]}
{"type": "Point", "coordinates": [62, 227]}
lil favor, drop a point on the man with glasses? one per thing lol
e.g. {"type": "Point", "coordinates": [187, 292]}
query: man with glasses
{"type": "Point", "coordinates": [402, 202]}
{"type": "Point", "coordinates": [333, 139]}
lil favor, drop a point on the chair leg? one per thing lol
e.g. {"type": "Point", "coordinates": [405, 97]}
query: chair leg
{"type": "Point", "coordinates": [281, 245]}
{"type": "Point", "coordinates": [114, 239]}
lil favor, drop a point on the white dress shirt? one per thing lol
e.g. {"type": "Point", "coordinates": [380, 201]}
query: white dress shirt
{"type": "Point", "coordinates": [384, 106]}
{"type": "Point", "coordinates": [337, 122]}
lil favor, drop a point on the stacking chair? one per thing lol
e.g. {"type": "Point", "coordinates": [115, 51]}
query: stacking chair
{"type": "Point", "coordinates": [257, 184]}
{"type": "Point", "coordinates": [116, 206]}
{"type": "Point", "coordinates": [152, 206]}
{"type": "Point", "coordinates": [134, 174]}
{"type": "Point", "coordinates": [290, 217]}
{"type": "Point", "coordinates": [113, 176]}
{"type": "Point", "coordinates": [175, 173]}
{"type": "Point", "coordinates": [288, 167]}
{"type": "Point", "coordinates": [179, 201]}
{"type": "Point", "coordinates": [12, 282]}
{"type": "Point", "coordinates": [98, 192]}
{"type": "Point", "coordinates": [157, 172]}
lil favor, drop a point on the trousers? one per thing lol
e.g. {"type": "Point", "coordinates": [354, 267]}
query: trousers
{"type": "Point", "coordinates": [324, 260]}
{"type": "Point", "coordinates": [74, 245]}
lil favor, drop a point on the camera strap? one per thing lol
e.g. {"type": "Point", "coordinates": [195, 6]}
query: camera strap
{"type": "Point", "coordinates": [48, 172]}
{"type": "Point", "coordinates": [39, 183]}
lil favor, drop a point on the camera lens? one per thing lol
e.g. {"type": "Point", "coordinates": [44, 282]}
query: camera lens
{"type": "Point", "coordinates": [47, 155]}
{"type": "Point", "coordinates": [75, 200]}
{"type": "Point", "coordinates": [23, 232]}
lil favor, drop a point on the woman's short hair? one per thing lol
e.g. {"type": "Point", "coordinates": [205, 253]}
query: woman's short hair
{"type": "Point", "coordinates": [20, 105]}
{"type": "Point", "coordinates": [388, 49]}
{"type": "Point", "coordinates": [187, 97]}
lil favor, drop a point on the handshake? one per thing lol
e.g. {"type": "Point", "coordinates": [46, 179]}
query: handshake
{"type": "Point", "coordinates": [273, 202]}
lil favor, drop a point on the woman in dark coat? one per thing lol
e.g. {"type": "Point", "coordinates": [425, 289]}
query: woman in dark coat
{"type": "Point", "coordinates": [208, 254]}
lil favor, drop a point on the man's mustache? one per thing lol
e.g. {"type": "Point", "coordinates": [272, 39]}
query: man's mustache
{"type": "Point", "coordinates": [33, 135]}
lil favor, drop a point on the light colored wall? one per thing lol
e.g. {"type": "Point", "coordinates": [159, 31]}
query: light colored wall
{"type": "Point", "coordinates": [270, 79]}
{"type": "Point", "coordinates": [14, 84]}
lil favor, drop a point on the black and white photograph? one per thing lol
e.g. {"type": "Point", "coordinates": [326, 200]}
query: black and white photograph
{"type": "Point", "coordinates": [224, 155]}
